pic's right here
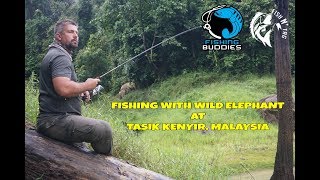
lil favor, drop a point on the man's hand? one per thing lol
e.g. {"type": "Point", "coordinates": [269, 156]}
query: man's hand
{"type": "Point", "coordinates": [86, 96]}
{"type": "Point", "coordinates": [92, 83]}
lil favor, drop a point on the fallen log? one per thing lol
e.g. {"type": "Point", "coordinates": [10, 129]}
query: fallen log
{"type": "Point", "coordinates": [46, 158]}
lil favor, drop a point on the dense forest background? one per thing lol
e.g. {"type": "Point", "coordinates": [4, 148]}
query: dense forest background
{"type": "Point", "coordinates": [113, 31]}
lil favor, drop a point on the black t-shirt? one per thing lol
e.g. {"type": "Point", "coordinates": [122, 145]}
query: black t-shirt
{"type": "Point", "coordinates": [57, 62]}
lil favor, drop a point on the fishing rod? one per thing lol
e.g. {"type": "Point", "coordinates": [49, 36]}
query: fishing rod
{"type": "Point", "coordinates": [96, 90]}
{"type": "Point", "coordinates": [148, 50]}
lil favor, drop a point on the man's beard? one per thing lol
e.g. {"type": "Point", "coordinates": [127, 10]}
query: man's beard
{"type": "Point", "coordinates": [71, 46]}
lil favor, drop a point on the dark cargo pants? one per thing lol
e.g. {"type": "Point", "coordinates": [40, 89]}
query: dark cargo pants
{"type": "Point", "coordinates": [74, 129]}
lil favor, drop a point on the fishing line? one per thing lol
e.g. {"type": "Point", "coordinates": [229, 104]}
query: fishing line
{"type": "Point", "coordinates": [148, 50]}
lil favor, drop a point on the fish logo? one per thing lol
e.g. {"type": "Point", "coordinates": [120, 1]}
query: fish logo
{"type": "Point", "coordinates": [222, 22]}
{"type": "Point", "coordinates": [261, 27]}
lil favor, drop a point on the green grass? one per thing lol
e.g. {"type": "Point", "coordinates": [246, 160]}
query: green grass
{"type": "Point", "coordinates": [188, 154]}
{"type": "Point", "coordinates": [31, 99]}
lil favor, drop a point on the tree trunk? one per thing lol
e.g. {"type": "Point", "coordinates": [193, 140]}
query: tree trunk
{"type": "Point", "coordinates": [49, 159]}
{"type": "Point", "coordinates": [283, 168]}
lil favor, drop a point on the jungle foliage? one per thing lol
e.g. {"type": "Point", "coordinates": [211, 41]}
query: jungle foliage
{"type": "Point", "coordinates": [113, 31]}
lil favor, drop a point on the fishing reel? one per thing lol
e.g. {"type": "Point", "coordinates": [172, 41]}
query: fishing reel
{"type": "Point", "coordinates": [93, 92]}
{"type": "Point", "coordinates": [96, 90]}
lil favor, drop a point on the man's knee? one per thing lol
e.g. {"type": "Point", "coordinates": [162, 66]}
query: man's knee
{"type": "Point", "coordinates": [104, 130]}
{"type": "Point", "coordinates": [105, 141]}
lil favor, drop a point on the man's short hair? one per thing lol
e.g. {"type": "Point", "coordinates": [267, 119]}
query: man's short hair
{"type": "Point", "coordinates": [60, 24]}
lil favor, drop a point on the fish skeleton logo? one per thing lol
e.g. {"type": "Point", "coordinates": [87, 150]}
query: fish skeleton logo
{"type": "Point", "coordinates": [223, 23]}
{"type": "Point", "coordinates": [261, 26]}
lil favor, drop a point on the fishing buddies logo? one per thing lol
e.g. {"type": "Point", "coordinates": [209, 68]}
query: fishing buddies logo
{"type": "Point", "coordinates": [223, 23]}
{"type": "Point", "coordinates": [262, 25]}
